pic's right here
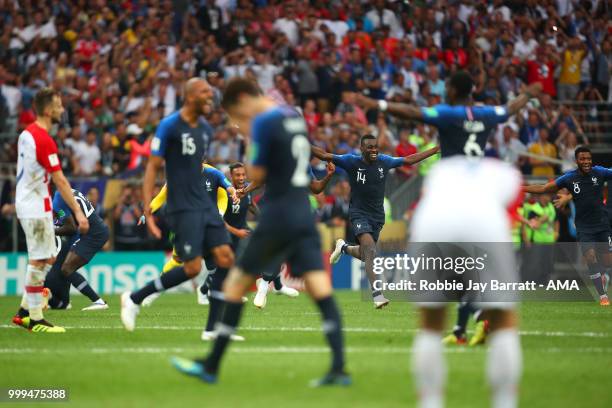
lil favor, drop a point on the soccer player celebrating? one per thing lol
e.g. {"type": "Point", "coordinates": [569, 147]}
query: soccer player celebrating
{"type": "Point", "coordinates": [286, 230]}
{"type": "Point", "coordinates": [367, 175]}
{"type": "Point", "coordinates": [83, 247]}
{"type": "Point", "coordinates": [182, 141]}
{"type": "Point", "coordinates": [236, 224]}
{"type": "Point", "coordinates": [37, 159]}
{"type": "Point", "coordinates": [593, 230]}
{"type": "Point", "coordinates": [464, 129]}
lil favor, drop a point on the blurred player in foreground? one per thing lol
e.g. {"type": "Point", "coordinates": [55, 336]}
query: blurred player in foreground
{"type": "Point", "coordinates": [263, 284]}
{"type": "Point", "coordinates": [280, 154]}
{"type": "Point", "coordinates": [37, 159]}
{"type": "Point", "coordinates": [181, 141]}
{"type": "Point", "coordinates": [483, 191]}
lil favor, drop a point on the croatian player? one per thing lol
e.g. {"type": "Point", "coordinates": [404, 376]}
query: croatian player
{"type": "Point", "coordinates": [181, 141]}
{"type": "Point", "coordinates": [81, 249]}
{"type": "Point", "coordinates": [280, 154]}
{"type": "Point", "coordinates": [367, 176]}
{"type": "Point", "coordinates": [37, 159]}
{"type": "Point", "coordinates": [586, 185]}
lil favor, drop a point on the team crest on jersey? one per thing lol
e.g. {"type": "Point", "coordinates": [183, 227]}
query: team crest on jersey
{"type": "Point", "coordinates": [382, 172]}
{"type": "Point", "coordinates": [208, 186]}
{"type": "Point", "coordinates": [358, 226]}
{"type": "Point", "coordinates": [187, 248]}
{"type": "Point", "coordinates": [595, 182]}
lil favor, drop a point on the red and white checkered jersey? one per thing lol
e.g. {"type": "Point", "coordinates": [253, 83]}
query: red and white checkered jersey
{"type": "Point", "coordinates": [37, 157]}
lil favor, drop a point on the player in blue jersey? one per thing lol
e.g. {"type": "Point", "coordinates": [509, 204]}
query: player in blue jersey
{"type": "Point", "coordinates": [235, 218]}
{"type": "Point", "coordinates": [78, 251]}
{"type": "Point", "coordinates": [463, 126]}
{"type": "Point", "coordinates": [586, 185]}
{"type": "Point", "coordinates": [280, 154]}
{"type": "Point", "coordinates": [316, 186]}
{"type": "Point", "coordinates": [367, 174]}
{"type": "Point", "coordinates": [182, 140]}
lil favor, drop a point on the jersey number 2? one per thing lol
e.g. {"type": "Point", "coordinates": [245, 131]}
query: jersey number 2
{"type": "Point", "coordinates": [300, 149]}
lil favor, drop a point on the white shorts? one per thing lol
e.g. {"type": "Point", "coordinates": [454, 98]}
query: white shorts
{"type": "Point", "coordinates": [40, 237]}
{"type": "Point", "coordinates": [482, 228]}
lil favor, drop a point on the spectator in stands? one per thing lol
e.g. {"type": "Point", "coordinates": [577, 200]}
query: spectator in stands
{"type": "Point", "coordinates": [570, 76]}
{"type": "Point", "coordinates": [125, 219]}
{"type": "Point", "coordinates": [224, 149]}
{"type": "Point", "coordinates": [405, 148]}
{"type": "Point", "coordinates": [530, 129]}
{"type": "Point", "coordinates": [510, 147]}
{"type": "Point", "coordinates": [566, 144]}
{"type": "Point", "coordinates": [87, 156]}
{"type": "Point", "coordinates": [546, 150]}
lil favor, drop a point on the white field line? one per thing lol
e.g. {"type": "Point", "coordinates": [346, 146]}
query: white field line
{"type": "Point", "coordinates": [536, 333]}
{"type": "Point", "coordinates": [279, 350]}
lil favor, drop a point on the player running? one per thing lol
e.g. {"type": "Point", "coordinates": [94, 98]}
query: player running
{"type": "Point", "coordinates": [286, 230]}
{"type": "Point", "coordinates": [263, 284]}
{"type": "Point", "coordinates": [218, 188]}
{"type": "Point", "coordinates": [586, 185]}
{"type": "Point", "coordinates": [37, 159]}
{"type": "Point", "coordinates": [182, 141]}
{"type": "Point", "coordinates": [79, 251]}
{"type": "Point", "coordinates": [367, 175]}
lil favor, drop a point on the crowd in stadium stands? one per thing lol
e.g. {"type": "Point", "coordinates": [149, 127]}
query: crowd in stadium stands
{"type": "Point", "coordinates": [120, 66]}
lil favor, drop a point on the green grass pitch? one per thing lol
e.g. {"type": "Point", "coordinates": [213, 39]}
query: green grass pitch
{"type": "Point", "coordinates": [567, 350]}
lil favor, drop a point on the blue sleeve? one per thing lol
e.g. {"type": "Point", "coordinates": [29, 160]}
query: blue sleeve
{"type": "Point", "coordinates": [391, 162]}
{"type": "Point", "coordinates": [435, 115]}
{"type": "Point", "coordinates": [311, 173]}
{"type": "Point", "coordinates": [160, 141]}
{"type": "Point", "coordinates": [260, 145]}
{"type": "Point", "coordinates": [494, 114]}
{"type": "Point", "coordinates": [218, 176]}
{"type": "Point", "coordinates": [606, 174]}
{"type": "Point", "coordinates": [342, 160]}
{"type": "Point", "coordinates": [60, 208]}
{"type": "Point", "coordinates": [563, 181]}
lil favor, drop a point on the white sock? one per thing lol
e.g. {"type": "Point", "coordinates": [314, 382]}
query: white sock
{"type": "Point", "coordinates": [504, 366]}
{"type": "Point", "coordinates": [429, 368]}
{"type": "Point", "coordinates": [263, 286]}
{"type": "Point", "coordinates": [34, 285]}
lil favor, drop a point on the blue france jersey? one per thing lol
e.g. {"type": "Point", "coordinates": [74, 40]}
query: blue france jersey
{"type": "Point", "coordinates": [464, 129]}
{"type": "Point", "coordinates": [213, 179]}
{"type": "Point", "coordinates": [184, 148]}
{"type": "Point", "coordinates": [236, 214]}
{"type": "Point", "coordinates": [62, 211]}
{"type": "Point", "coordinates": [280, 146]}
{"type": "Point", "coordinates": [367, 183]}
{"type": "Point", "coordinates": [587, 190]}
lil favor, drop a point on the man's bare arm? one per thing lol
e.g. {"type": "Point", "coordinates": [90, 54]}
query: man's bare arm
{"type": "Point", "coordinates": [68, 228]}
{"type": "Point", "coordinates": [520, 101]}
{"type": "Point", "coordinates": [321, 154]}
{"type": "Point", "coordinates": [317, 186]}
{"type": "Point", "coordinates": [63, 186]}
{"type": "Point", "coordinates": [148, 184]}
{"type": "Point", "coordinates": [400, 110]}
{"type": "Point", "coordinates": [541, 188]}
{"type": "Point", "coordinates": [417, 157]}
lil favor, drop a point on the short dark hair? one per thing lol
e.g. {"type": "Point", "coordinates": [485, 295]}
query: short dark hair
{"type": "Point", "coordinates": [235, 166]}
{"type": "Point", "coordinates": [581, 149]}
{"type": "Point", "coordinates": [366, 137]}
{"type": "Point", "coordinates": [463, 83]}
{"type": "Point", "coordinates": [235, 88]}
{"type": "Point", "coordinates": [43, 98]}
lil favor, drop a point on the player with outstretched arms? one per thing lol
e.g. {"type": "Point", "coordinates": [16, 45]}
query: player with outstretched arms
{"type": "Point", "coordinates": [463, 131]}
{"type": "Point", "coordinates": [586, 184]}
{"type": "Point", "coordinates": [37, 160]}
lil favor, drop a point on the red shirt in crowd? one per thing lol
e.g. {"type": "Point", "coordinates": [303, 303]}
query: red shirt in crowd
{"type": "Point", "coordinates": [542, 72]}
